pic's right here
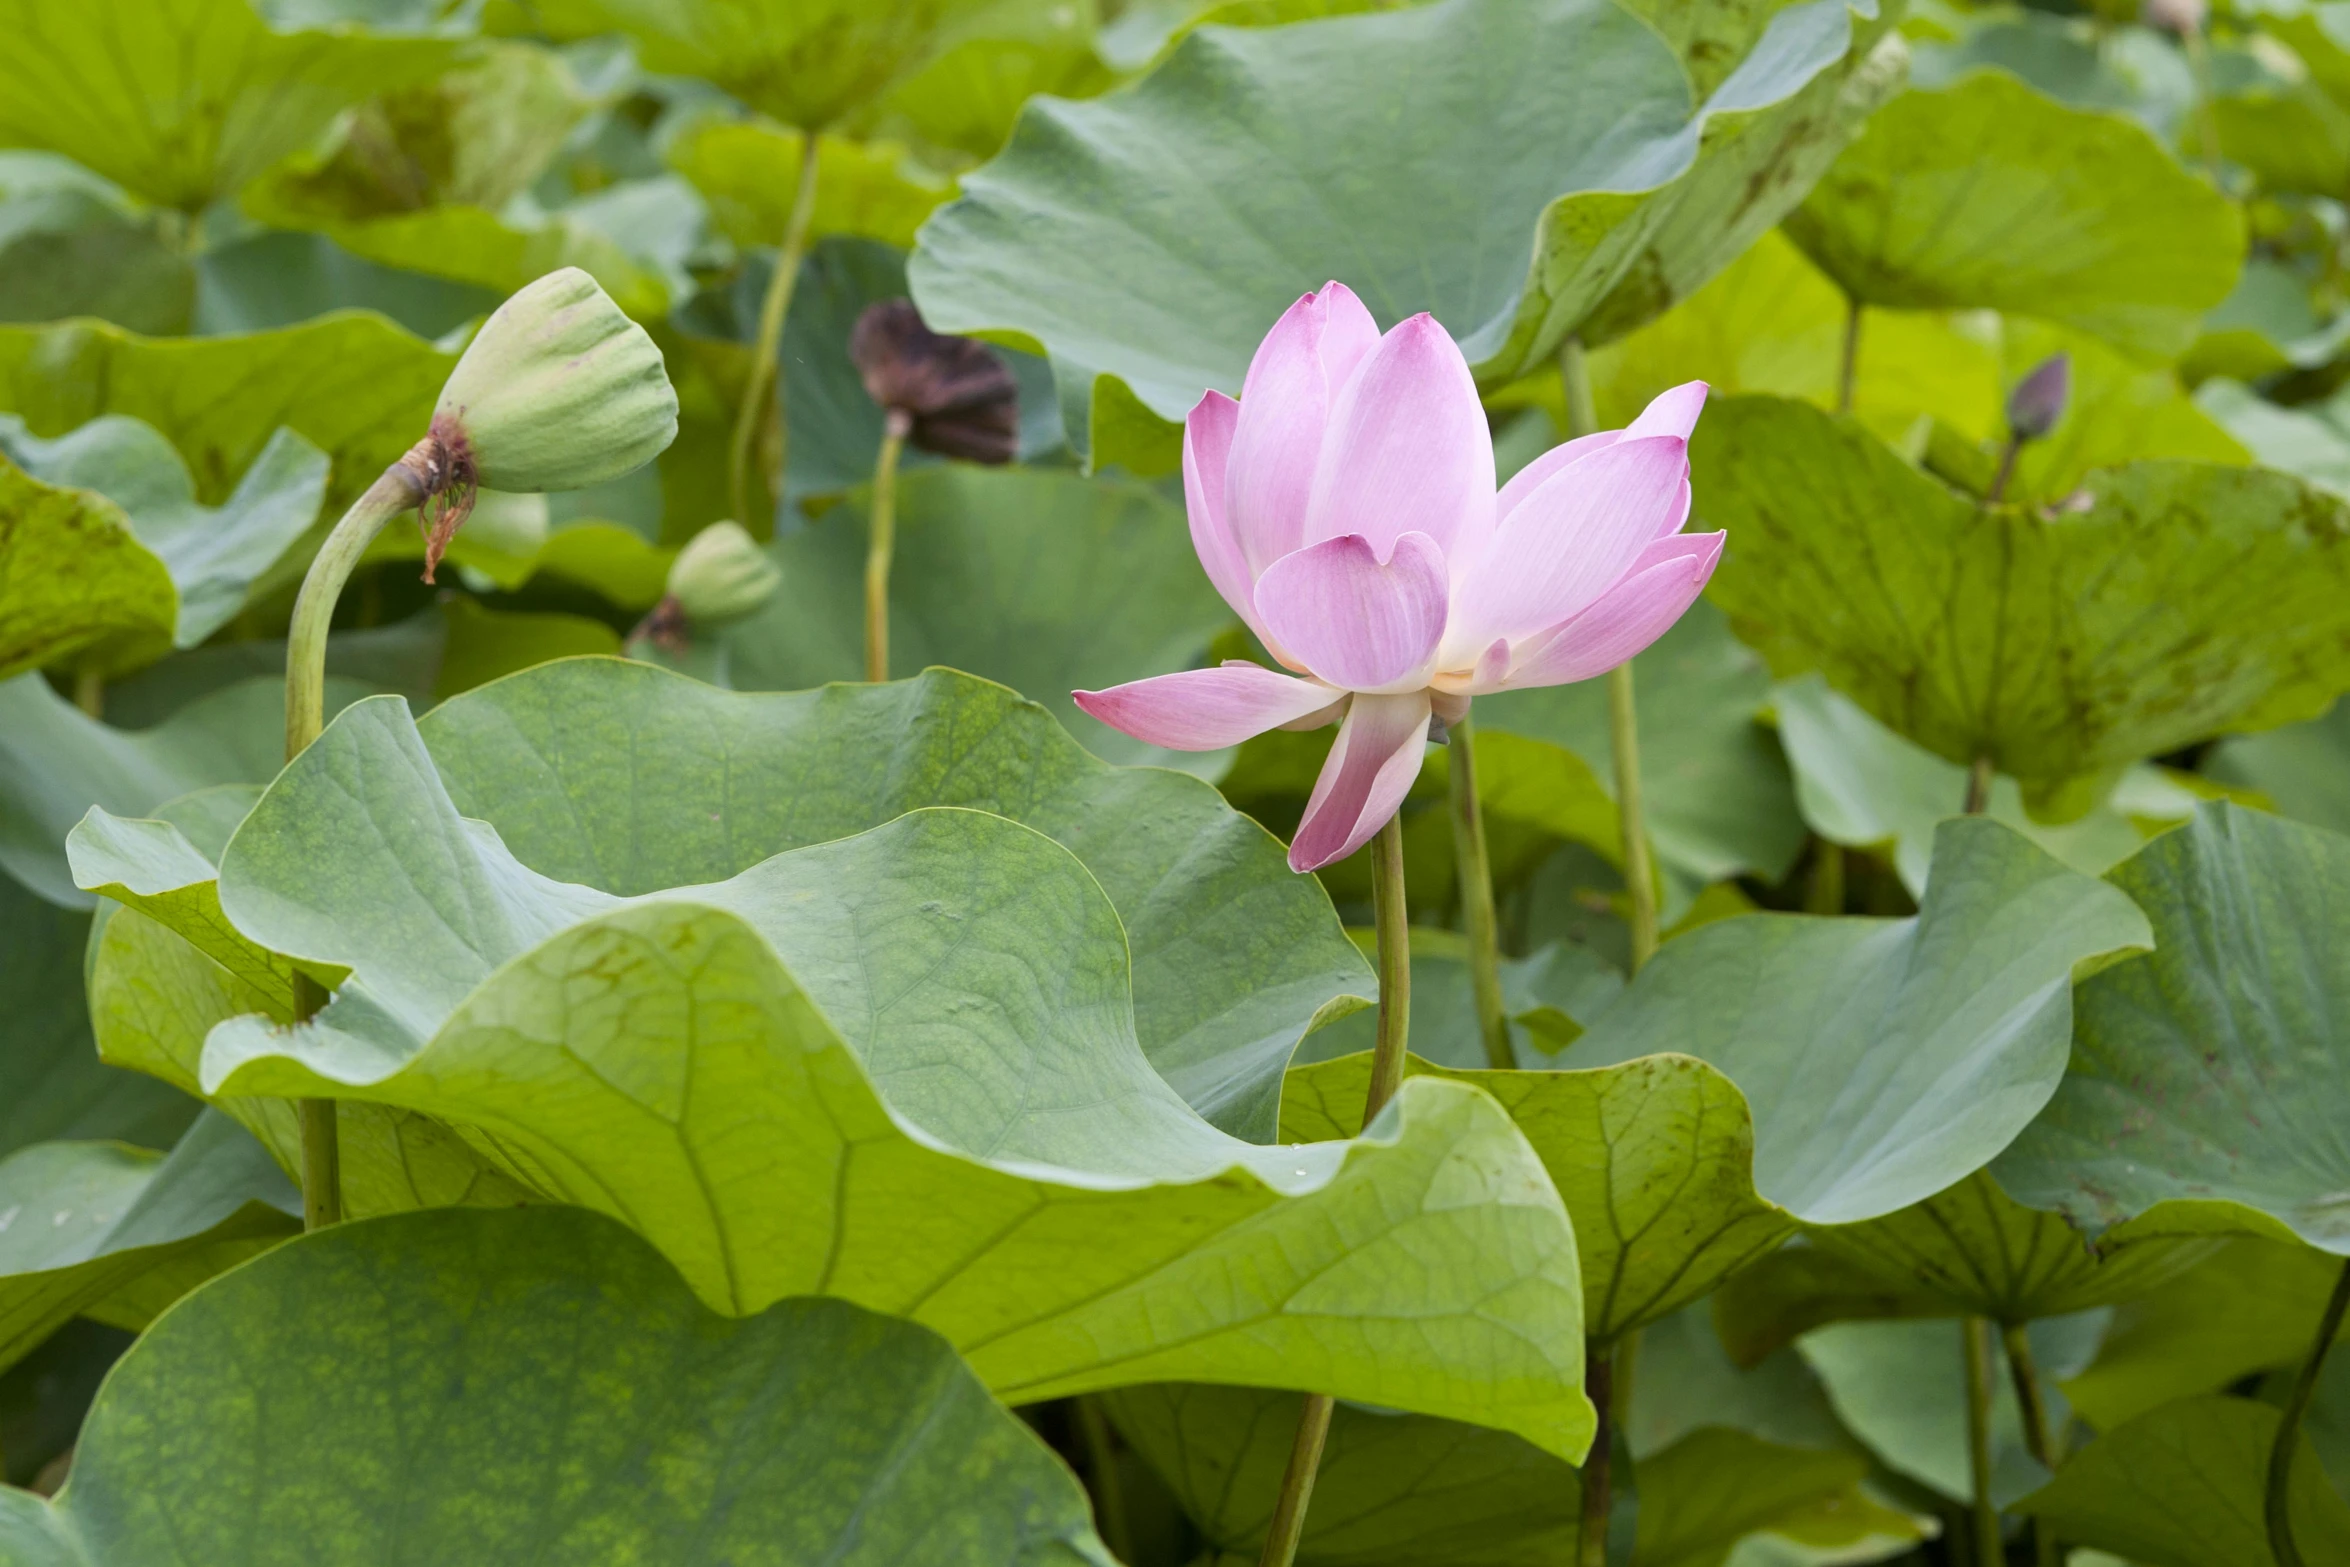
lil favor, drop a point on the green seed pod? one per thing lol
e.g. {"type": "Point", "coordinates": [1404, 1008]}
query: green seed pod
{"type": "Point", "coordinates": [559, 390]}
{"type": "Point", "coordinates": [722, 575]}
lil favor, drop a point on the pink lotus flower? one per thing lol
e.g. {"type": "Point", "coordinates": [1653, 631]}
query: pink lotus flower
{"type": "Point", "coordinates": [1345, 508]}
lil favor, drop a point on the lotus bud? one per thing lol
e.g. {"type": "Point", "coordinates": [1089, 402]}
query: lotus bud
{"type": "Point", "coordinates": [559, 390]}
{"type": "Point", "coordinates": [955, 398]}
{"type": "Point", "coordinates": [722, 575]}
{"type": "Point", "coordinates": [2039, 398]}
{"type": "Point", "coordinates": [2175, 16]}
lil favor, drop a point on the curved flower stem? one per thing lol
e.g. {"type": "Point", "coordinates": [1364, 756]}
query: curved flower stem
{"type": "Point", "coordinates": [1476, 881]}
{"type": "Point", "coordinates": [2279, 1505]}
{"type": "Point", "coordinates": [1101, 1465]}
{"type": "Point", "coordinates": [1848, 364]}
{"type": "Point", "coordinates": [880, 542]}
{"type": "Point", "coordinates": [2007, 457]}
{"type": "Point", "coordinates": [1623, 730]}
{"type": "Point", "coordinates": [1288, 1524]}
{"type": "Point", "coordinates": [1976, 1332]}
{"type": "Point", "coordinates": [1978, 785]}
{"type": "Point", "coordinates": [763, 393]}
{"type": "Point", "coordinates": [400, 487]}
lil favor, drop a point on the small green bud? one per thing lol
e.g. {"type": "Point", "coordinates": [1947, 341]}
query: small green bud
{"type": "Point", "coordinates": [722, 575]}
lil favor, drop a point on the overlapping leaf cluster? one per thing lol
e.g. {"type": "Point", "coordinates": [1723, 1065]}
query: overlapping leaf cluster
{"type": "Point", "coordinates": [751, 1089]}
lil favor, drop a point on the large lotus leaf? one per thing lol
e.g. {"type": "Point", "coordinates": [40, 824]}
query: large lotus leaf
{"type": "Point", "coordinates": [71, 244]}
{"type": "Point", "coordinates": [2312, 441]}
{"type": "Point", "coordinates": [2078, 59]}
{"type": "Point", "coordinates": [749, 173]}
{"type": "Point", "coordinates": [2293, 139]}
{"type": "Point", "coordinates": [51, 1082]}
{"type": "Point", "coordinates": [1862, 785]}
{"type": "Point", "coordinates": [964, 99]}
{"type": "Point", "coordinates": [2250, 1306]}
{"type": "Point", "coordinates": [2015, 634]}
{"type": "Point", "coordinates": [184, 101]}
{"type": "Point", "coordinates": [1989, 194]}
{"type": "Point", "coordinates": [1884, 1059]}
{"type": "Point", "coordinates": [271, 279]}
{"type": "Point", "coordinates": [2183, 1486]}
{"type": "Point", "coordinates": [538, 1383]}
{"type": "Point", "coordinates": [2302, 769]}
{"type": "Point", "coordinates": [79, 1220]}
{"type": "Point", "coordinates": [83, 509]}
{"type": "Point", "coordinates": [1714, 788]}
{"type": "Point", "coordinates": [1403, 1490]}
{"type": "Point", "coordinates": [1038, 578]}
{"type": "Point", "coordinates": [994, 1125]}
{"type": "Point", "coordinates": [2207, 1071]}
{"type": "Point", "coordinates": [354, 385]}
{"type": "Point", "coordinates": [1147, 239]}
{"type": "Point", "coordinates": [803, 62]}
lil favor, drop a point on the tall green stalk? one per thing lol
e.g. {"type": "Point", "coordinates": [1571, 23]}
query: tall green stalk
{"type": "Point", "coordinates": [762, 395]}
{"type": "Point", "coordinates": [400, 488]}
{"type": "Point", "coordinates": [1848, 362]}
{"type": "Point", "coordinates": [2039, 1435]}
{"type": "Point", "coordinates": [1288, 1524]}
{"type": "Point", "coordinates": [881, 537]}
{"type": "Point", "coordinates": [1977, 1333]}
{"type": "Point", "coordinates": [1475, 869]}
{"type": "Point", "coordinates": [2279, 1502]}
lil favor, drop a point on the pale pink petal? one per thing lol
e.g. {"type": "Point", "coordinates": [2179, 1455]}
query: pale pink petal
{"type": "Point", "coordinates": [1570, 541]}
{"type": "Point", "coordinates": [1284, 411]}
{"type": "Point", "coordinates": [1667, 580]}
{"type": "Point", "coordinates": [1205, 709]}
{"type": "Point", "coordinates": [1407, 449]}
{"type": "Point", "coordinates": [1672, 412]}
{"type": "Point", "coordinates": [1354, 620]}
{"type": "Point", "coordinates": [1370, 770]}
{"type": "Point", "coordinates": [1207, 441]}
{"type": "Point", "coordinates": [1532, 477]}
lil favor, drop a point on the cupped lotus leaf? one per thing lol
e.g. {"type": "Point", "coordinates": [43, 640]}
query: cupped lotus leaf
{"type": "Point", "coordinates": [1396, 1490]}
{"type": "Point", "coordinates": [1145, 240]}
{"type": "Point", "coordinates": [1654, 1159]}
{"type": "Point", "coordinates": [1884, 1059]}
{"type": "Point", "coordinates": [69, 560]}
{"type": "Point", "coordinates": [2250, 1306]}
{"type": "Point", "coordinates": [662, 1058]}
{"type": "Point", "coordinates": [1038, 578]}
{"type": "Point", "coordinates": [52, 1085]}
{"type": "Point", "coordinates": [184, 101]}
{"type": "Point", "coordinates": [354, 385]}
{"type": "Point", "coordinates": [749, 173]}
{"type": "Point", "coordinates": [803, 62]}
{"type": "Point", "coordinates": [1863, 786]}
{"type": "Point", "coordinates": [2013, 633]}
{"type": "Point", "coordinates": [2183, 1486]}
{"type": "Point", "coordinates": [1989, 194]}
{"type": "Point", "coordinates": [2207, 1071]}
{"type": "Point", "coordinates": [84, 1219]}
{"type": "Point", "coordinates": [538, 1382]}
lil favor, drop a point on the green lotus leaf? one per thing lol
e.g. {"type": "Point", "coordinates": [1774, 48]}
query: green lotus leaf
{"type": "Point", "coordinates": [2074, 59]}
{"type": "Point", "coordinates": [1989, 194]}
{"type": "Point", "coordinates": [1406, 1489]}
{"type": "Point", "coordinates": [964, 99]}
{"type": "Point", "coordinates": [2248, 1307]}
{"type": "Point", "coordinates": [109, 558]}
{"type": "Point", "coordinates": [538, 1382]}
{"type": "Point", "coordinates": [52, 1085]}
{"type": "Point", "coordinates": [87, 1218]}
{"type": "Point", "coordinates": [806, 63]}
{"type": "Point", "coordinates": [2018, 635]}
{"type": "Point", "coordinates": [2300, 769]}
{"type": "Point", "coordinates": [1885, 1060]}
{"type": "Point", "coordinates": [72, 244]}
{"type": "Point", "coordinates": [2293, 139]}
{"type": "Point", "coordinates": [2312, 440]}
{"type": "Point", "coordinates": [2203, 1072]}
{"type": "Point", "coordinates": [1862, 785]}
{"type": "Point", "coordinates": [749, 173]}
{"type": "Point", "coordinates": [1547, 993]}
{"type": "Point", "coordinates": [1146, 240]}
{"type": "Point", "coordinates": [1714, 788]}
{"type": "Point", "coordinates": [2183, 1486]}
{"type": "Point", "coordinates": [354, 385]}
{"type": "Point", "coordinates": [1038, 578]}
{"type": "Point", "coordinates": [987, 939]}
{"type": "Point", "coordinates": [184, 101]}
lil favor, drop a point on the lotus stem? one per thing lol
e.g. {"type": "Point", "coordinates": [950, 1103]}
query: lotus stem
{"type": "Point", "coordinates": [1825, 895]}
{"type": "Point", "coordinates": [2014, 449]}
{"type": "Point", "coordinates": [1623, 730]}
{"type": "Point", "coordinates": [1475, 870]}
{"type": "Point", "coordinates": [2279, 1505]}
{"type": "Point", "coordinates": [1848, 365]}
{"type": "Point", "coordinates": [1976, 1332]}
{"type": "Point", "coordinates": [2026, 1376]}
{"type": "Point", "coordinates": [398, 489]}
{"type": "Point", "coordinates": [764, 390]}
{"type": "Point", "coordinates": [89, 690]}
{"type": "Point", "coordinates": [880, 542]}
{"type": "Point", "coordinates": [1101, 1465]}
{"type": "Point", "coordinates": [1978, 785]}
{"type": "Point", "coordinates": [1596, 1475]}
{"type": "Point", "coordinates": [1288, 1525]}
